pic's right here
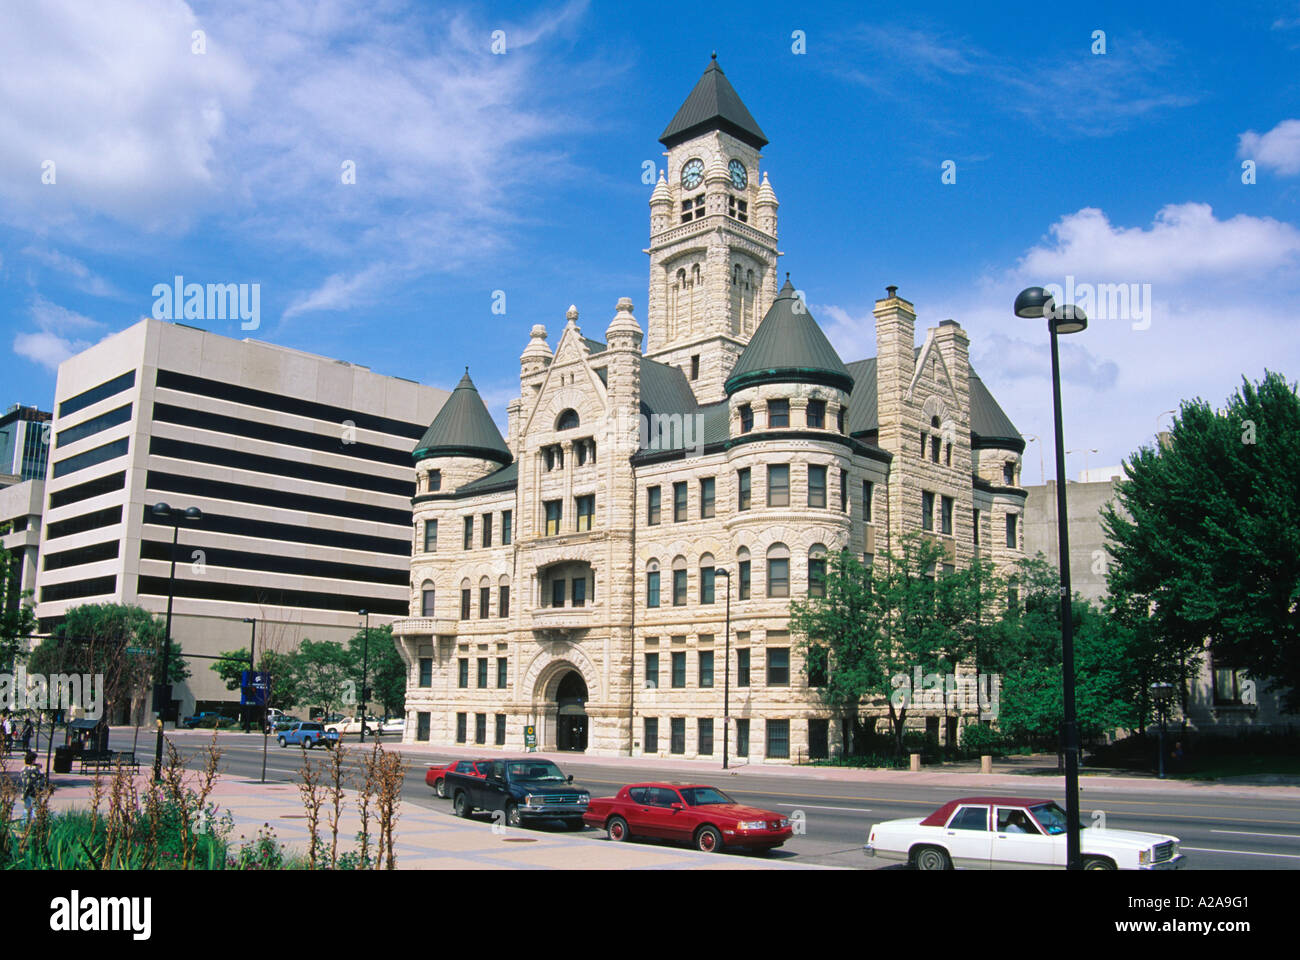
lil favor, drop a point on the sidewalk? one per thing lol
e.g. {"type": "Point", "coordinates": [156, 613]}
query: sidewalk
{"type": "Point", "coordinates": [428, 839]}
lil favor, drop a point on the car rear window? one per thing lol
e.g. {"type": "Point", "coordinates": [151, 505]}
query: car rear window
{"type": "Point", "coordinates": [312, 726]}
{"type": "Point", "coordinates": [970, 818]}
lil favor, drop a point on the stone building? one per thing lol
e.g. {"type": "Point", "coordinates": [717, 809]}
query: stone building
{"type": "Point", "coordinates": [574, 575]}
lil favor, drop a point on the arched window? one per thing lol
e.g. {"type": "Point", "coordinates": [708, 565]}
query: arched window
{"type": "Point", "coordinates": [465, 591]}
{"type": "Point", "coordinates": [652, 583]}
{"type": "Point", "coordinates": [679, 582]}
{"type": "Point", "coordinates": [503, 596]}
{"type": "Point", "coordinates": [426, 599]}
{"type": "Point", "coordinates": [778, 570]}
{"type": "Point", "coordinates": [817, 570]}
{"type": "Point", "coordinates": [484, 597]}
{"type": "Point", "coordinates": [707, 572]}
{"type": "Point", "coordinates": [744, 573]}
{"type": "Point", "coordinates": [735, 275]}
{"type": "Point", "coordinates": [567, 420]}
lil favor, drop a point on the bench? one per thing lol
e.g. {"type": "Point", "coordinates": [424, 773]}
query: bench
{"type": "Point", "coordinates": [99, 759]}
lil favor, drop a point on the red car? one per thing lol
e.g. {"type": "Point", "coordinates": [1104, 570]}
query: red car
{"type": "Point", "coordinates": [700, 815]}
{"type": "Point", "coordinates": [436, 772]}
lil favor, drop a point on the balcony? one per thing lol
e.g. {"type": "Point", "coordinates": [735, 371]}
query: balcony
{"type": "Point", "coordinates": [566, 619]}
{"type": "Point", "coordinates": [425, 626]}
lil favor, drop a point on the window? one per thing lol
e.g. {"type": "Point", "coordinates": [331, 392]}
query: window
{"type": "Point", "coordinates": [778, 571]}
{"type": "Point", "coordinates": [707, 497]}
{"type": "Point", "coordinates": [692, 208]}
{"type": "Point", "coordinates": [1013, 596]}
{"type": "Point", "coordinates": [435, 480]}
{"type": "Point", "coordinates": [487, 530]}
{"type": "Point", "coordinates": [1011, 530]}
{"type": "Point", "coordinates": [554, 513]}
{"type": "Point", "coordinates": [816, 486]}
{"type": "Point", "coordinates": [975, 527]}
{"type": "Point", "coordinates": [695, 367]}
{"type": "Point", "coordinates": [426, 671]}
{"type": "Point", "coordinates": [579, 591]}
{"type": "Point", "coordinates": [586, 510]}
{"type": "Point", "coordinates": [778, 666]}
{"type": "Point", "coordinates": [817, 414]}
{"type": "Point", "coordinates": [934, 449]}
{"type": "Point", "coordinates": [817, 571]}
{"type": "Point", "coordinates": [652, 584]}
{"type": "Point", "coordinates": [651, 735]}
{"type": "Point", "coordinates": [557, 592]}
{"type": "Point", "coordinates": [678, 731]}
{"type": "Point", "coordinates": [923, 438]}
{"type": "Point", "coordinates": [818, 739]}
{"type": "Point", "coordinates": [507, 533]}
{"type": "Point", "coordinates": [707, 579]}
{"type": "Point", "coordinates": [868, 489]}
{"type": "Point", "coordinates": [744, 570]}
{"type": "Point", "coordinates": [844, 491]}
{"type": "Point", "coordinates": [927, 510]}
{"type": "Point", "coordinates": [567, 420]}
{"type": "Point", "coordinates": [948, 568]}
{"type": "Point", "coordinates": [462, 673]}
{"type": "Point", "coordinates": [679, 502]}
{"type": "Point", "coordinates": [705, 737]}
{"type": "Point", "coordinates": [482, 673]}
{"type": "Point", "coordinates": [460, 727]}
{"type": "Point", "coordinates": [742, 738]}
{"type": "Point", "coordinates": [706, 668]}
{"type": "Point", "coordinates": [464, 603]}
{"type": "Point", "coordinates": [501, 730]}
{"type": "Point", "coordinates": [422, 725]}
{"type": "Point", "coordinates": [430, 536]}
{"type": "Point", "coordinates": [426, 602]}
{"type": "Point", "coordinates": [484, 602]}
{"type": "Point", "coordinates": [742, 667]}
{"type": "Point", "coordinates": [839, 419]}
{"type": "Point", "coordinates": [467, 542]}
{"type": "Point", "coordinates": [652, 671]}
{"type": "Point", "coordinates": [653, 496]}
{"type": "Point", "coordinates": [945, 515]}
{"type": "Point", "coordinates": [1226, 685]}
{"type": "Point", "coordinates": [817, 666]}
{"type": "Point", "coordinates": [480, 728]}
{"type": "Point", "coordinates": [679, 670]}
{"type": "Point", "coordinates": [503, 601]}
{"type": "Point", "coordinates": [778, 413]}
{"type": "Point", "coordinates": [947, 455]}
{"type": "Point", "coordinates": [778, 739]}
{"type": "Point", "coordinates": [778, 485]}
{"type": "Point", "coordinates": [742, 489]}
{"type": "Point", "coordinates": [746, 418]}
{"type": "Point", "coordinates": [1009, 473]}
{"type": "Point", "coordinates": [554, 457]}
{"type": "Point", "coordinates": [737, 209]}
{"type": "Point", "coordinates": [970, 818]}
{"type": "Point", "coordinates": [503, 667]}
{"type": "Point", "coordinates": [679, 583]}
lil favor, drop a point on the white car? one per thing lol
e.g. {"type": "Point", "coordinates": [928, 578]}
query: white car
{"type": "Point", "coordinates": [984, 833]}
{"type": "Point", "coordinates": [353, 725]}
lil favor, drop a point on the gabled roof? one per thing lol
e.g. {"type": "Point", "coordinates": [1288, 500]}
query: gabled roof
{"type": "Point", "coordinates": [463, 428]}
{"type": "Point", "coordinates": [789, 347]}
{"type": "Point", "coordinates": [713, 105]}
{"type": "Point", "coordinates": [503, 479]}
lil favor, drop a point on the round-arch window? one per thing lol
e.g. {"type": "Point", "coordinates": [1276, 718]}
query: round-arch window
{"type": "Point", "coordinates": [567, 420]}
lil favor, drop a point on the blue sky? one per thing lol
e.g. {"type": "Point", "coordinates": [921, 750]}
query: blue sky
{"type": "Point", "coordinates": [522, 172]}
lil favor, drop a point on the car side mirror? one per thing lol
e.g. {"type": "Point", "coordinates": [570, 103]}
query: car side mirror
{"type": "Point", "coordinates": [679, 806]}
{"type": "Point", "coordinates": [570, 780]}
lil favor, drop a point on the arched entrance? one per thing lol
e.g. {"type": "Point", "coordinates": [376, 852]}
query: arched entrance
{"type": "Point", "coordinates": [571, 713]}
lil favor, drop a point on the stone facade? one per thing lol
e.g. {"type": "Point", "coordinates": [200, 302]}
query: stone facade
{"type": "Point", "coordinates": [494, 645]}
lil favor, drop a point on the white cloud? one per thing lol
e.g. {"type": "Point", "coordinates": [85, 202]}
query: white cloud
{"type": "Point", "coordinates": [338, 292]}
{"type": "Point", "coordinates": [1278, 149]}
{"type": "Point", "coordinates": [57, 337]}
{"type": "Point", "coordinates": [82, 276]}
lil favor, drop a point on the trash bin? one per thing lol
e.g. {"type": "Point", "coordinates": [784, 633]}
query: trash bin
{"type": "Point", "coordinates": [62, 759]}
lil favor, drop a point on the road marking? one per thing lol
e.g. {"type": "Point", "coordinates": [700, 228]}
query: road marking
{"type": "Point", "coordinates": [1248, 833]}
{"type": "Point", "coordinates": [1243, 853]}
{"type": "Point", "coordinates": [816, 806]}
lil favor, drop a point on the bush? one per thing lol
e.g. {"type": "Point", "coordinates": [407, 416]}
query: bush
{"type": "Point", "coordinates": [978, 739]}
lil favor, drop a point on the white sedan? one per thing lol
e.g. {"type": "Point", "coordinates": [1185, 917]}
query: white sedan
{"type": "Point", "coordinates": [984, 833]}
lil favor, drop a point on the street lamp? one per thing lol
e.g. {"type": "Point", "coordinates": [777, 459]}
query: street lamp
{"type": "Point", "coordinates": [162, 513]}
{"type": "Point", "coordinates": [365, 668]}
{"type": "Point", "coordinates": [726, 670]}
{"type": "Point", "coordinates": [1085, 457]}
{"type": "Point", "coordinates": [1162, 693]}
{"type": "Point", "coordinates": [1042, 473]}
{"type": "Point", "coordinates": [1035, 303]}
{"type": "Point", "coordinates": [252, 667]}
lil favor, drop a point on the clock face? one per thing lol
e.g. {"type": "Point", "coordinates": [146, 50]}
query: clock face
{"type": "Point", "coordinates": [692, 173]}
{"type": "Point", "coordinates": [739, 176]}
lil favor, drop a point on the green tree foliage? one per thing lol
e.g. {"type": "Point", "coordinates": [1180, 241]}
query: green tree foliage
{"type": "Point", "coordinates": [387, 669]}
{"type": "Point", "coordinates": [322, 673]}
{"type": "Point", "coordinates": [1207, 543]}
{"type": "Point", "coordinates": [278, 666]}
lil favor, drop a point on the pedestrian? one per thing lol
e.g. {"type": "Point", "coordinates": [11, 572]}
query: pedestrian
{"type": "Point", "coordinates": [8, 728]}
{"type": "Point", "coordinates": [32, 782]}
{"type": "Point", "coordinates": [28, 732]}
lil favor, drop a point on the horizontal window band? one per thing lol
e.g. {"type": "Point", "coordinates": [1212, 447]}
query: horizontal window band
{"type": "Point", "coordinates": [88, 489]}
{"type": "Point", "coordinates": [92, 553]}
{"type": "Point", "coordinates": [88, 428]}
{"type": "Point", "coordinates": [87, 521]}
{"type": "Point", "coordinates": [271, 563]}
{"type": "Point", "coordinates": [76, 589]}
{"type": "Point", "coordinates": [200, 589]}
{"type": "Point", "coordinates": [106, 389]}
{"type": "Point", "coordinates": [109, 451]}
{"type": "Point", "coordinates": [291, 533]}
{"type": "Point", "coordinates": [263, 496]}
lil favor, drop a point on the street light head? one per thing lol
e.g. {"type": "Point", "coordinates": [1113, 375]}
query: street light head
{"type": "Point", "coordinates": [193, 513]}
{"type": "Point", "coordinates": [363, 613]}
{"type": "Point", "coordinates": [1162, 691]}
{"type": "Point", "coordinates": [721, 572]}
{"type": "Point", "coordinates": [1069, 319]}
{"type": "Point", "coordinates": [161, 510]}
{"type": "Point", "coordinates": [1033, 303]}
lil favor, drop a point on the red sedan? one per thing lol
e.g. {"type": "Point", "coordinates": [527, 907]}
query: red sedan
{"type": "Point", "coordinates": [700, 815]}
{"type": "Point", "coordinates": [436, 772]}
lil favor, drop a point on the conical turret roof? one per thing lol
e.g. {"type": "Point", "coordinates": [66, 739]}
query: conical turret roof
{"type": "Point", "coordinates": [463, 428]}
{"type": "Point", "coordinates": [713, 105]}
{"type": "Point", "coordinates": [789, 347]}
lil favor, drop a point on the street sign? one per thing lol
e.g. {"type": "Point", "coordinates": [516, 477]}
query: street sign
{"type": "Point", "coordinates": [144, 650]}
{"type": "Point", "coordinates": [530, 737]}
{"type": "Point", "coordinates": [253, 687]}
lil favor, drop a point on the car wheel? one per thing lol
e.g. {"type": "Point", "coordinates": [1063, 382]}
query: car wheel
{"type": "Point", "coordinates": [440, 788]}
{"type": "Point", "coordinates": [708, 840]}
{"type": "Point", "coordinates": [617, 829]}
{"type": "Point", "coordinates": [932, 858]}
{"type": "Point", "coordinates": [513, 817]}
{"type": "Point", "coordinates": [1098, 863]}
{"type": "Point", "coordinates": [460, 805]}
{"type": "Point", "coordinates": [307, 743]}
{"type": "Point", "coordinates": [283, 742]}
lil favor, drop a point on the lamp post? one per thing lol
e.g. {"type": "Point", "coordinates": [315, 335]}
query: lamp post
{"type": "Point", "coordinates": [1161, 693]}
{"type": "Point", "coordinates": [1037, 303]}
{"type": "Point", "coordinates": [252, 667]}
{"type": "Point", "coordinates": [726, 670]}
{"type": "Point", "coordinates": [1042, 472]}
{"type": "Point", "coordinates": [1085, 457]}
{"type": "Point", "coordinates": [162, 689]}
{"type": "Point", "coordinates": [365, 669]}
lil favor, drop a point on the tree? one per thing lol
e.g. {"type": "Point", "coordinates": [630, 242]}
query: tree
{"type": "Point", "coordinates": [1207, 543]}
{"type": "Point", "coordinates": [322, 673]}
{"type": "Point", "coordinates": [387, 669]}
{"type": "Point", "coordinates": [277, 666]}
{"type": "Point", "coordinates": [17, 617]}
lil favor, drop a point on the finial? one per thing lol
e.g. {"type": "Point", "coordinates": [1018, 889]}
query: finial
{"type": "Point", "coordinates": [892, 291]}
{"type": "Point", "coordinates": [787, 276]}
{"type": "Point", "coordinates": [572, 313]}
{"type": "Point", "coordinates": [715, 55]}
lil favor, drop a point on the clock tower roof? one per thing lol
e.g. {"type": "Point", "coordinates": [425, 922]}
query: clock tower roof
{"type": "Point", "coordinates": [713, 105]}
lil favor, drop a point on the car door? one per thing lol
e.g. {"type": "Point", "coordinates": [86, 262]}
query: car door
{"type": "Point", "coordinates": [661, 818]}
{"type": "Point", "coordinates": [1018, 844]}
{"type": "Point", "coordinates": [637, 810]}
{"type": "Point", "coordinates": [968, 837]}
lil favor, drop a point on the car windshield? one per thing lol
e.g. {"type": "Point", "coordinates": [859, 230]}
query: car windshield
{"type": "Point", "coordinates": [535, 770]}
{"type": "Point", "coordinates": [311, 726]}
{"type": "Point", "coordinates": [699, 796]}
{"type": "Point", "coordinates": [1051, 817]}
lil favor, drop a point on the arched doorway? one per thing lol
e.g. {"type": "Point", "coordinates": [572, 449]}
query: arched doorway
{"type": "Point", "coordinates": [571, 715]}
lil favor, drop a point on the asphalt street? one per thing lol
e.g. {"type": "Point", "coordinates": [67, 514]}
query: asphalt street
{"type": "Point", "coordinates": [1217, 832]}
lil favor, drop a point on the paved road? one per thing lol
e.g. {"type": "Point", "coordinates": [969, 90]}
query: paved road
{"type": "Point", "coordinates": [1217, 832]}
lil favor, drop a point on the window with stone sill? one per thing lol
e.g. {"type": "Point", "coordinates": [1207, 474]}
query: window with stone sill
{"type": "Point", "coordinates": [679, 502]}
{"type": "Point", "coordinates": [778, 413]}
{"type": "Point", "coordinates": [778, 485]}
{"type": "Point", "coordinates": [707, 497]}
{"type": "Point", "coordinates": [654, 496]}
{"type": "Point", "coordinates": [742, 489]}
{"type": "Point", "coordinates": [427, 602]}
{"type": "Point", "coordinates": [927, 510]}
{"type": "Point", "coordinates": [503, 601]}
{"type": "Point", "coordinates": [679, 588]}
{"type": "Point", "coordinates": [692, 208]}
{"type": "Point", "coordinates": [487, 529]}
{"type": "Point", "coordinates": [554, 515]}
{"type": "Point", "coordinates": [586, 511]}
{"type": "Point", "coordinates": [652, 584]}
{"type": "Point", "coordinates": [778, 570]}
{"type": "Point", "coordinates": [816, 414]}
{"type": "Point", "coordinates": [945, 515]}
{"type": "Point", "coordinates": [435, 481]}
{"type": "Point", "coordinates": [744, 569]}
{"type": "Point", "coordinates": [464, 603]}
{"type": "Point", "coordinates": [746, 418]}
{"type": "Point", "coordinates": [738, 209]}
{"type": "Point", "coordinates": [467, 541]}
{"type": "Point", "coordinates": [1012, 541]}
{"type": "Point", "coordinates": [430, 536]}
{"type": "Point", "coordinates": [1009, 474]}
{"type": "Point", "coordinates": [816, 486]}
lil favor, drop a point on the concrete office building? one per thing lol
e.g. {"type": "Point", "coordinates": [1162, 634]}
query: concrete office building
{"type": "Point", "coordinates": [300, 464]}
{"type": "Point", "coordinates": [24, 442]}
{"type": "Point", "coordinates": [20, 514]}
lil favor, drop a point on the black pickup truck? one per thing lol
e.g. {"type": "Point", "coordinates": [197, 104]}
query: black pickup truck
{"type": "Point", "coordinates": [524, 790]}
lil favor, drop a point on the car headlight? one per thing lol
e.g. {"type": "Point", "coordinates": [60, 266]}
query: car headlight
{"type": "Point", "coordinates": [752, 824]}
{"type": "Point", "coordinates": [528, 800]}
{"type": "Point", "coordinates": [785, 821]}
{"type": "Point", "coordinates": [584, 798]}
{"type": "Point", "coordinates": [1144, 856]}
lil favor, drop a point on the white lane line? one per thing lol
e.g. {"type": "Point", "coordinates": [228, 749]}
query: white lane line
{"type": "Point", "coordinates": [1248, 833]}
{"type": "Point", "coordinates": [1243, 853]}
{"type": "Point", "coordinates": [817, 806]}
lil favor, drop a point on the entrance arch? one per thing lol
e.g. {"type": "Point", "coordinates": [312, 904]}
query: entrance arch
{"type": "Point", "coordinates": [571, 712]}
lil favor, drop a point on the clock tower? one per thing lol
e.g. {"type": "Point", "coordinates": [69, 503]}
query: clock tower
{"type": "Point", "coordinates": [712, 246]}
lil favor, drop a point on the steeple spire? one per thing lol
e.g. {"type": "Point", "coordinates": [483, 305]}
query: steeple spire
{"type": "Point", "coordinates": [713, 105]}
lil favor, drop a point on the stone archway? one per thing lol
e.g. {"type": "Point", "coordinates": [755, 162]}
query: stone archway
{"type": "Point", "coordinates": [571, 723]}
{"type": "Point", "coordinates": [561, 692]}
